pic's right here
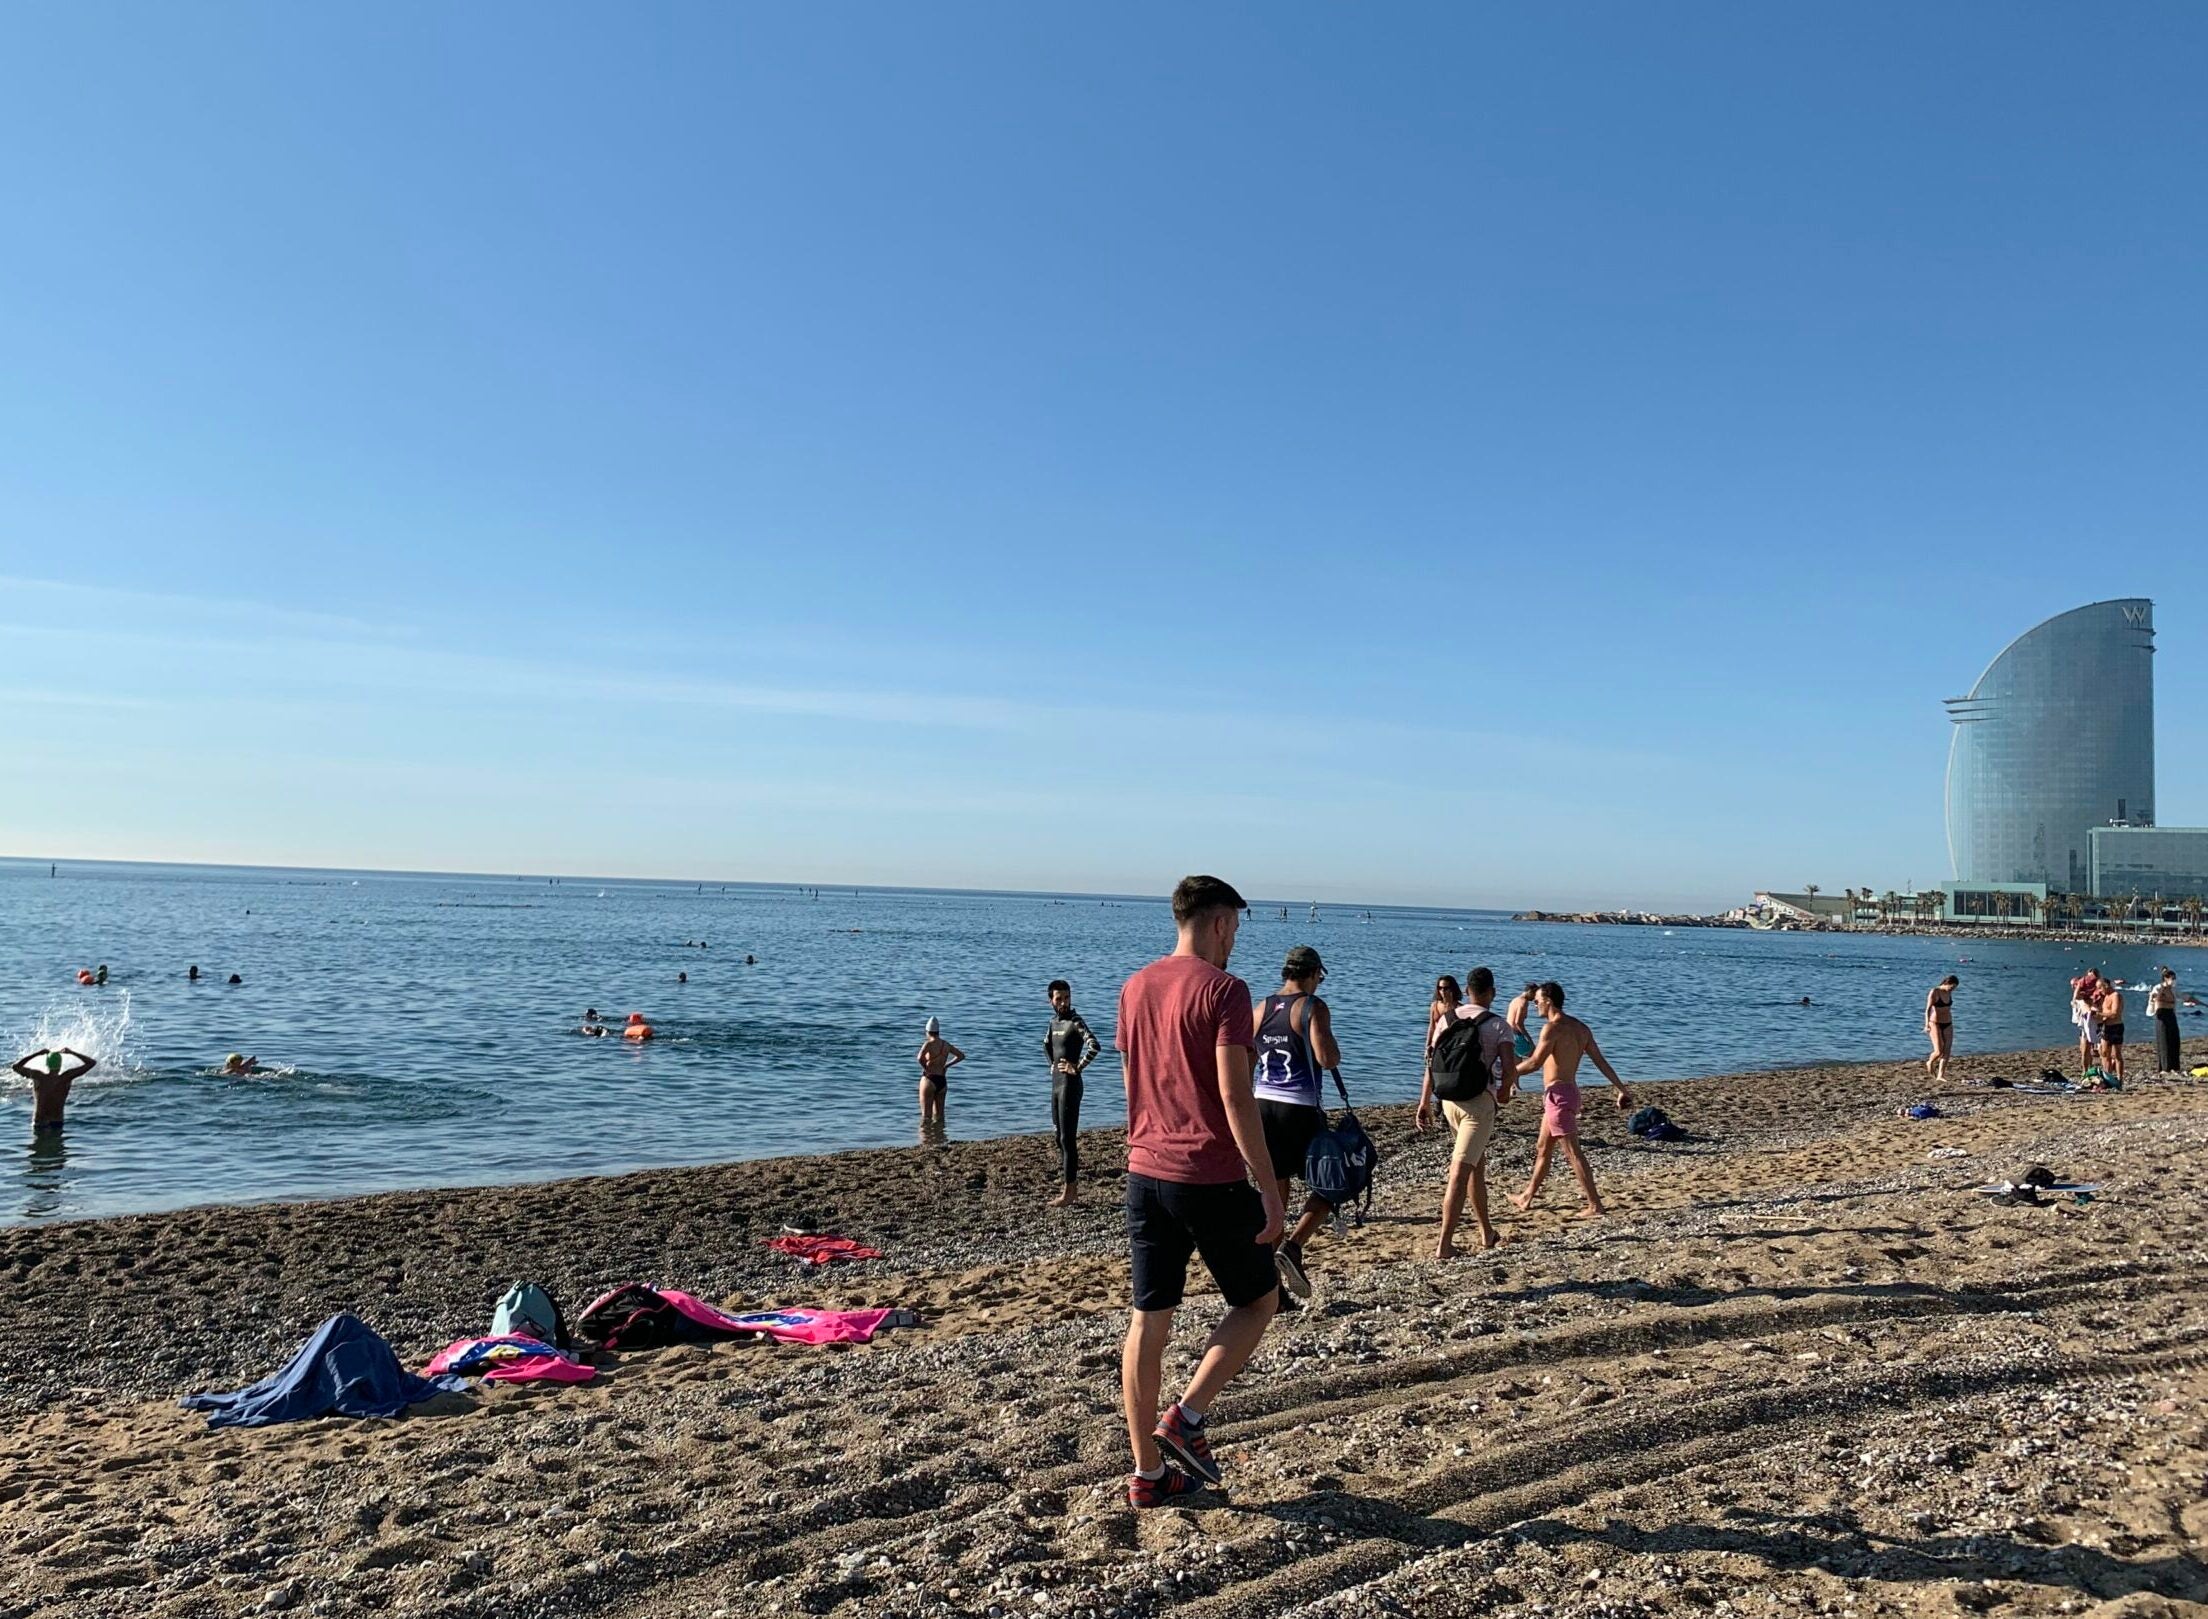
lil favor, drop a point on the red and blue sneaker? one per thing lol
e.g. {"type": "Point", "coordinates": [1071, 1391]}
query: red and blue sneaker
{"type": "Point", "coordinates": [1181, 1437]}
{"type": "Point", "coordinates": [1168, 1487]}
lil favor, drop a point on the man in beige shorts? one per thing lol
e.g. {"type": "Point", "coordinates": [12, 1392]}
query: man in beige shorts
{"type": "Point", "coordinates": [1473, 1119]}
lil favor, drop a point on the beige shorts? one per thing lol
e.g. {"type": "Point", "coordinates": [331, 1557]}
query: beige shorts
{"type": "Point", "coordinates": [1474, 1123]}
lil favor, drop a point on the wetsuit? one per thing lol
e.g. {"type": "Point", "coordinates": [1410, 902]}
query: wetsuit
{"type": "Point", "coordinates": [1070, 1042]}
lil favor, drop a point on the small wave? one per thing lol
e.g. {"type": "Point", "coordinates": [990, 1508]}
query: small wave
{"type": "Point", "coordinates": [100, 1027]}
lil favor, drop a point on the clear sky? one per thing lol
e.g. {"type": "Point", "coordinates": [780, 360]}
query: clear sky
{"type": "Point", "coordinates": [1517, 454]}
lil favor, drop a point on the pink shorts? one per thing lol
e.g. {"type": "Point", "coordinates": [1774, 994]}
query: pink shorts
{"type": "Point", "coordinates": [1560, 1110]}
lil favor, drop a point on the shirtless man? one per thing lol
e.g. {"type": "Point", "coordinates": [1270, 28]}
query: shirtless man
{"type": "Point", "coordinates": [51, 1073]}
{"type": "Point", "coordinates": [937, 1058]}
{"type": "Point", "coordinates": [2112, 1029]}
{"type": "Point", "coordinates": [2085, 996]}
{"type": "Point", "coordinates": [1556, 1057]}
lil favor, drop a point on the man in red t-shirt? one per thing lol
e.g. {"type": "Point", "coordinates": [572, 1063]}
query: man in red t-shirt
{"type": "Point", "coordinates": [1195, 1143]}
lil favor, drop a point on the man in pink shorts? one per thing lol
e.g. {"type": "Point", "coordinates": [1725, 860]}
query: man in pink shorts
{"type": "Point", "coordinates": [1564, 1042]}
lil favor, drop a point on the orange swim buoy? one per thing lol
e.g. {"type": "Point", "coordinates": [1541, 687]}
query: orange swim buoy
{"type": "Point", "coordinates": [84, 975]}
{"type": "Point", "coordinates": [638, 1029]}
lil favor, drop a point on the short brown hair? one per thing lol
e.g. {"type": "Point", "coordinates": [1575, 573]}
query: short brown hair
{"type": "Point", "coordinates": [1194, 896]}
{"type": "Point", "coordinates": [1554, 991]}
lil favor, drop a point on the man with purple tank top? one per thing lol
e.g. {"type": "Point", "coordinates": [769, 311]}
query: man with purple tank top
{"type": "Point", "coordinates": [1295, 1048]}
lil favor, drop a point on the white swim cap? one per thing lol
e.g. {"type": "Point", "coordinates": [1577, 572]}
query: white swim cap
{"type": "Point", "coordinates": [934, 1027]}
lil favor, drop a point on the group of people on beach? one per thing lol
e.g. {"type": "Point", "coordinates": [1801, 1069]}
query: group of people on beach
{"type": "Point", "coordinates": [1222, 1096]}
{"type": "Point", "coordinates": [2097, 1009]}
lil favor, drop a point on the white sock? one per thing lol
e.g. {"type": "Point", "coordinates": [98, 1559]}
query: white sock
{"type": "Point", "coordinates": [1193, 1415]}
{"type": "Point", "coordinates": [1151, 1475]}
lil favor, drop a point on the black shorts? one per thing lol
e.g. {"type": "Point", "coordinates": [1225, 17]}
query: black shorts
{"type": "Point", "coordinates": [1290, 1128]}
{"type": "Point", "coordinates": [1167, 1221]}
{"type": "Point", "coordinates": [2113, 1033]}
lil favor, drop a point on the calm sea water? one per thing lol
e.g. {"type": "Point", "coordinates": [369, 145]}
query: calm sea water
{"type": "Point", "coordinates": [422, 1025]}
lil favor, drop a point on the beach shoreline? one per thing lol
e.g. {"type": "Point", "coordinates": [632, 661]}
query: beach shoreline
{"type": "Point", "coordinates": [1427, 1438]}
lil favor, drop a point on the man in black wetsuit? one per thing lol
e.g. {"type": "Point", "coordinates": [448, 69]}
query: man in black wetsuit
{"type": "Point", "coordinates": [1070, 1047]}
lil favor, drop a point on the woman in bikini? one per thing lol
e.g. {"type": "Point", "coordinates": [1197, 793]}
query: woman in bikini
{"type": "Point", "coordinates": [937, 1058]}
{"type": "Point", "coordinates": [1939, 1025]}
{"type": "Point", "coordinates": [1447, 998]}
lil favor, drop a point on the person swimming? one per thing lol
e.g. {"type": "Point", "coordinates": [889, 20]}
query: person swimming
{"type": "Point", "coordinates": [100, 977]}
{"type": "Point", "coordinates": [682, 978]}
{"type": "Point", "coordinates": [192, 976]}
{"type": "Point", "coordinates": [235, 1064]}
{"type": "Point", "coordinates": [235, 979]}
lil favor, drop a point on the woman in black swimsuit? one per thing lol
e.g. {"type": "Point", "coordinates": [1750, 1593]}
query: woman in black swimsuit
{"type": "Point", "coordinates": [1939, 1025]}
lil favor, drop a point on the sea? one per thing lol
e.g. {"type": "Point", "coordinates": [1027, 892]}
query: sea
{"type": "Point", "coordinates": [418, 1030]}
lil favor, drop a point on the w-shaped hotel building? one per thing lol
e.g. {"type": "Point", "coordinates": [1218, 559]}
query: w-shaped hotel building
{"type": "Point", "coordinates": [2050, 773]}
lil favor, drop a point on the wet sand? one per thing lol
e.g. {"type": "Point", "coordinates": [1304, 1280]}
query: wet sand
{"type": "Point", "coordinates": [1802, 1367]}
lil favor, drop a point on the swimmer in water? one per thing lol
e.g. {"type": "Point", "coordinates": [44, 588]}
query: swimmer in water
{"type": "Point", "coordinates": [235, 979]}
{"type": "Point", "coordinates": [235, 1064]}
{"type": "Point", "coordinates": [682, 978]}
{"type": "Point", "coordinates": [192, 976]}
{"type": "Point", "coordinates": [100, 977]}
{"type": "Point", "coordinates": [51, 1074]}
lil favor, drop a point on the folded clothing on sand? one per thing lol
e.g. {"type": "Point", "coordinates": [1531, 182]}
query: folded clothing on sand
{"type": "Point", "coordinates": [345, 1369]}
{"type": "Point", "coordinates": [509, 1358]}
{"type": "Point", "coordinates": [808, 1249]}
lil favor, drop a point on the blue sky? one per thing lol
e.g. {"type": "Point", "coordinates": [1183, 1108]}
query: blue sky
{"type": "Point", "coordinates": [1520, 455]}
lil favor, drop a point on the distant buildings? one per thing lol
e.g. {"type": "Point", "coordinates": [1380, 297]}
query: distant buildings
{"type": "Point", "coordinates": [2055, 739]}
{"type": "Point", "coordinates": [2169, 861]}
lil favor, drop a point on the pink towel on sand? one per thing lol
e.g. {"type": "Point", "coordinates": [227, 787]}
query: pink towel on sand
{"type": "Point", "coordinates": [508, 1360]}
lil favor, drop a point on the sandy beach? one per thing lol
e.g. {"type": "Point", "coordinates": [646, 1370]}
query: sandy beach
{"type": "Point", "coordinates": [1802, 1367]}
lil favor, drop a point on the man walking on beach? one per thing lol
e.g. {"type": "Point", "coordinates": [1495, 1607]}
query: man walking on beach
{"type": "Point", "coordinates": [1473, 1120]}
{"type": "Point", "coordinates": [1194, 1145]}
{"type": "Point", "coordinates": [1564, 1042]}
{"type": "Point", "coordinates": [1071, 1048]}
{"type": "Point", "coordinates": [1295, 1048]}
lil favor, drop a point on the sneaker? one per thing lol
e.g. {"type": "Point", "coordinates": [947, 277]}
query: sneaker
{"type": "Point", "coordinates": [1286, 1303]}
{"type": "Point", "coordinates": [1168, 1487]}
{"type": "Point", "coordinates": [1184, 1442]}
{"type": "Point", "coordinates": [1292, 1273]}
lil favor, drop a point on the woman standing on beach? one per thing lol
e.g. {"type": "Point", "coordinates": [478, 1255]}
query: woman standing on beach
{"type": "Point", "coordinates": [2162, 1002]}
{"type": "Point", "coordinates": [1447, 998]}
{"type": "Point", "coordinates": [1939, 1025]}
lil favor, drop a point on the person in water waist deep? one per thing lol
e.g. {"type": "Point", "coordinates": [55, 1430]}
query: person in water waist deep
{"type": "Point", "coordinates": [51, 1073]}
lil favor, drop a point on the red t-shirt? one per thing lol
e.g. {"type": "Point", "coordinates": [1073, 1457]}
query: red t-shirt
{"type": "Point", "coordinates": [1174, 1016]}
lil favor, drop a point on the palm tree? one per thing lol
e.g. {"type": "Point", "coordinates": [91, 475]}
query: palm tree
{"type": "Point", "coordinates": [2193, 906]}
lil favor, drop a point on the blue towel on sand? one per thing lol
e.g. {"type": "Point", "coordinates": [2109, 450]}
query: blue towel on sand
{"type": "Point", "coordinates": [344, 1368]}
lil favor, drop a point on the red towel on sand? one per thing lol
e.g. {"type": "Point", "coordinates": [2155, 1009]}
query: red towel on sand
{"type": "Point", "coordinates": [810, 1250]}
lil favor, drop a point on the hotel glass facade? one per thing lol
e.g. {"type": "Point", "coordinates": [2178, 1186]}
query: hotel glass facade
{"type": "Point", "coordinates": [2171, 861]}
{"type": "Point", "coordinates": [2056, 738]}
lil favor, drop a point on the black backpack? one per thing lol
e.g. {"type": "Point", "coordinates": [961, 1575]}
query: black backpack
{"type": "Point", "coordinates": [1337, 1168]}
{"type": "Point", "coordinates": [1460, 1073]}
